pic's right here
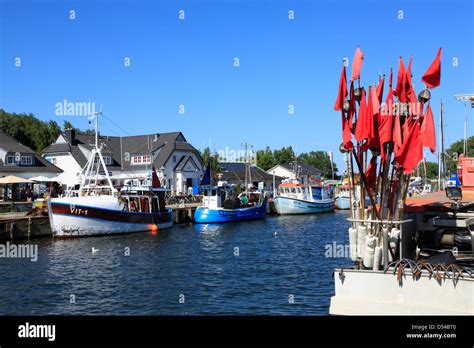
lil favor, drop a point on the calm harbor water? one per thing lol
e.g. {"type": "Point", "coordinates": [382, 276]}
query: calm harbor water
{"type": "Point", "coordinates": [279, 259]}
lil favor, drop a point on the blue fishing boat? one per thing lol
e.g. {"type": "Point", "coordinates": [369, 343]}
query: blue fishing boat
{"type": "Point", "coordinates": [221, 205]}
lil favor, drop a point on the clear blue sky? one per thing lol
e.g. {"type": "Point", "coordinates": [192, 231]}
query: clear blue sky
{"type": "Point", "coordinates": [190, 62]}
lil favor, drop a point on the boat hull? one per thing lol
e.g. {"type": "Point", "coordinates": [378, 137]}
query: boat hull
{"type": "Point", "coordinates": [343, 203]}
{"type": "Point", "coordinates": [205, 215]}
{"type": "Point", "coordinates": [292, 206]}
{"type": "Point", "coordinates": [79, 220]}
{"type": "Point", "coordinates": [365, 292]}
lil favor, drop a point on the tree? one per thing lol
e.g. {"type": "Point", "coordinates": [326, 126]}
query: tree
{"type": "Point", "coordinates": [431, 170]}
{"type": "Point", "coordinates": [319, 160]}
{"type": "Point", "coordinates": [265, 159]}
{"type": "Point", "coordinates": [284, 155]}
{"type": "Point", "coordinates": [452, 153]}
{"type": "Point", "coordinates": [68, 125]}
{"type": "Point", "coordinates": [29, 130]}
{"type": "Point", "coordinates": [207, 156]}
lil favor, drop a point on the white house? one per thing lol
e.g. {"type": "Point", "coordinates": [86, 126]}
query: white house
{"type": "Point", "coordinates": [21, 161]}
{"type": "Point", "coordinates": [178, 164]}
{"type": "Point", "coordinates": [301, 171]}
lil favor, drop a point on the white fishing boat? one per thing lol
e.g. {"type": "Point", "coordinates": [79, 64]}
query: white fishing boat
{"type": "Point", "coordinates": [343, 197]}
{"type": "Point", "coordinates": [296, 198]}
{"type": "Point", "coordinates": [98, 208]}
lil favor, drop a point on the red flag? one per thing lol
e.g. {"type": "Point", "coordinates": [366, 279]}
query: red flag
{"type": "Point", "coordinates": [155, 182]}
{"type": "Point", "coordinates": [428, 131]}
{"type": "Point", "coordinates": [357, 64]}
{"type": "Point", "coordinates": [346, 133]}
{"type": "Point", "coordinates": [411, 151]}
{"type": "Point", "coordinates": [369, 122]}
{"type": "Point", "coordinates": [397, 134]}
{"type": "Point", "coordinates": [432, 76]}
{"type": "Point", "coordinates": [342, 94]}
{"type": "Point", "coordinates": [386, 122]}
{"type": "Point", "coordinates": [371, 174]}
{"type": "Point", "coordinates": [400, 89]}
{"type": "Point", "coordinates": [361, 131]}
{"type": "Point", "coordinates": [380, 89]}
{"type": "Point", "coordinates": [409, 90]}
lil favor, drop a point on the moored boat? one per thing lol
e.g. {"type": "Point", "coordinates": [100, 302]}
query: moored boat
{"type": "Point", "coordinates": [296, 198]}
{"type": "Point", "coordinates": [221, 205]}
{"type": "Point", "coordinates": [343, 197]}
{"type": "Point", "coordinates": [98, 208]}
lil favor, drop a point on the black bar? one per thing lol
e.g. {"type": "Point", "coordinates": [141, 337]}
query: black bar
{"type": "Point", "coordinates": [135, 330]}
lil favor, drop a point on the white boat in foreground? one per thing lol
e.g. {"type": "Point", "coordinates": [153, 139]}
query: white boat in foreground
{"type": "Point", "coordinates": [98, 208]}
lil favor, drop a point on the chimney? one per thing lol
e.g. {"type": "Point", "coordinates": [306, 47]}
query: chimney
{"type": "Point", "coordinates": [70, 135]}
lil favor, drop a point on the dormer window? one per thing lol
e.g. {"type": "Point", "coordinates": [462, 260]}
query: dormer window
{"type": "Point", "coordinates": [108, 160]}
{"type": "Point", "coordinates": [12, 160]}
{"type": "Point", "coordinates": [141, 159]}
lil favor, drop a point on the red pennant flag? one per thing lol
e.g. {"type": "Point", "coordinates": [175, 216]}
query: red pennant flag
{"type": "Point", "coordinates": [432, 76]}
{"type": "Point", "coordinates": [428, 131]}
{"type": "Point", "coordinates": [346, 133]}
{"type": "Point", "coordinates": [386, 123]}
{"type": "Point", "coordinates": [400, 89]}
{"type": "Point", "coordinates": [380, 89]}
{"type": "Point", "coordinates": [357, 64]}
{"type": "Point", "coordinates": [369, 122]}
{"type": "Point", "coordinates": [411, 151]}
{"type": "Point", "coordinates": [342, 94]}
{"type": "Point", "coordinates": [155, 182]}
{"type": "Point", "coordinates": [397, 134]}
{"type": "Point", "coordinates": [371, 174]}
{"type": "Point", "coordinates": [409, 90]}
{"type": "Point", "coordinates": [361, 131]}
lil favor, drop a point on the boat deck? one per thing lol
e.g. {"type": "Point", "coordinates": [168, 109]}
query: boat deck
{"type": "Point", "coordinates": [434, 202]}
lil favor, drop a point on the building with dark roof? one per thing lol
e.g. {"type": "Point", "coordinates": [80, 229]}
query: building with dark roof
{"type": "Point", "coordinates": [301, 171]}
{"type": "Point", "coordinates": [178, 164]}
{"type": "Point", "coordinates": [234, 173]}
{"type": "Point", "coordinates": [19, 160]}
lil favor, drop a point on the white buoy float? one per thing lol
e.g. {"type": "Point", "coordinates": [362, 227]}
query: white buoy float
{"type": "Point", "coordinates": [353, 243]}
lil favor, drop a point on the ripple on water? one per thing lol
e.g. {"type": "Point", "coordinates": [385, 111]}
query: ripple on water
{"type": "Point", "coordinates": [239, 268]}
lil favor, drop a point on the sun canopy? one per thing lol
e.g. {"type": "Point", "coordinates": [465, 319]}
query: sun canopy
{"type": "Point", "coordinates": [42, 178]}
{"type": "Point", "coordinates": [11, 179]}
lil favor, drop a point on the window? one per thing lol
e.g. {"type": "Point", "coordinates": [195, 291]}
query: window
{"type": "Point", "coordinates": [141, 159]}
{"type": "Point", "coordinates": [26, 160]}
{"type": "Point", "coordinates": [11, 160]}
{"type": "Point", "coordinates": [108, 160]}
{"type": "Point", "coordinates": [52, 160]}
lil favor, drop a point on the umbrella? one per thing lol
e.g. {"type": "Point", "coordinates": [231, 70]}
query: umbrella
{"type": "Point", "coordinates": [11, 179]}
{"type": "Point", "coordinates": [42, 178]}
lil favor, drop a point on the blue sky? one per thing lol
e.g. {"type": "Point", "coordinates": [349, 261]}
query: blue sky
{"type": "Point", "coordinates": [190, 62]}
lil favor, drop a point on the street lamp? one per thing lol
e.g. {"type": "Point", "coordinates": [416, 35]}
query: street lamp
{"type": "Point", "coordinates": [465, 98]}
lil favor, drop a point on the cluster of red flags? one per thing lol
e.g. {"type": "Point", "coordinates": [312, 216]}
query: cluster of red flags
{"type": "Point", "coordinates": [378, 123]}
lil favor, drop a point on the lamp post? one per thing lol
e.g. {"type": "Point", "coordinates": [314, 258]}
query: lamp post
{"type": "Point", "coordinates": [465, 98]}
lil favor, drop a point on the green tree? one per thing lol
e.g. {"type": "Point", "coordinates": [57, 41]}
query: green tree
{"type": "Point", "coordinates": [265, 159]}
{"type": "Point", "coordinates": [214, 159]}
{"type": "Point", "coordinates": [284, 155]}
{"type": "Point", "coordinates": [319, 160]}
{"type": "Point", "coordinates": [29, 130]}
{"type": "Point", "coordinates": [431, 170]}
{"type": "Point", "coordinates": [452, 153]}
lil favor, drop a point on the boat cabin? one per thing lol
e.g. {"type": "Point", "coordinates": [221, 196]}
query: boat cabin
{"type": "Point", "coordinates": [140, 199]}
{"type": "Point", "coordinates": [303, 192]}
